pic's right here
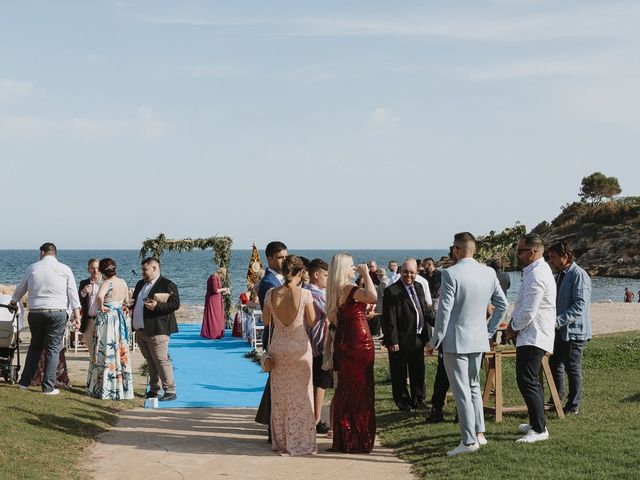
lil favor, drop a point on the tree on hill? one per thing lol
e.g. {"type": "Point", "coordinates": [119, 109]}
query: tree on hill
{"type": "Point", "coordinates": [500, 246]}
{"type": "Point", "coordinates": [597, 186]}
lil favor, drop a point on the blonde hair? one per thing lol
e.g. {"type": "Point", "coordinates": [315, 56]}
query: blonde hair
{"type": "Point", "coordinates": [339, 270]}
{"type": "Point", "coordinates": [222, 271]}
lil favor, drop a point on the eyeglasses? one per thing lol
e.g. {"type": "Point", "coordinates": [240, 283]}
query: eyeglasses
{"type": "Point", "coordinates": [520, 250]}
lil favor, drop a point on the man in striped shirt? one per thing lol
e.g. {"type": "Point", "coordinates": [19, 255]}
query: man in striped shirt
{"type": "Point", "coordinates": [322, 379]}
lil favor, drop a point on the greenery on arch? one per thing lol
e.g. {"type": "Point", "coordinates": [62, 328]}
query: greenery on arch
{"type": "Point", "coordinates": [221, 247]}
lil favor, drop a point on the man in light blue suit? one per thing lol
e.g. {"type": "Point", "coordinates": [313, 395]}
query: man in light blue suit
{"type": "Point", "coordinates": [462, 332]}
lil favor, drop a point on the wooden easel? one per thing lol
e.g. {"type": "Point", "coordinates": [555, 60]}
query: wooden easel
{"type": "Point", "coordinates": [494, 380]}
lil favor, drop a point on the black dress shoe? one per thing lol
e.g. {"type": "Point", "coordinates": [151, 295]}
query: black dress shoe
{"type": "Point", "coordinates": [404, 408]}
{"type": "Point", "coordinates": [152, 394]}
{"type": "Point", "coordinates": [419, 406]}
{"type": "Point", "coordinates": [167, 397]}
{"type": "Point", "coordinates": [435, 416]}
{"type": "Point", "coordinates": [322, 427]}
{"type": "Point", "coordinates": [570, 411]}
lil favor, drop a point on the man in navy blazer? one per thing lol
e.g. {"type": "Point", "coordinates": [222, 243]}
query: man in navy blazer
{"type": "Point", "coordinates": [573, 323]}
{"type": "Point", "coordinates": [461, 331]}
{"type": "Point", "coordinates": [276, 252]}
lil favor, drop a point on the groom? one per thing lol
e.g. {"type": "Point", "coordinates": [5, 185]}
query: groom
{"type": "Point", "coordinates": [276, 252]}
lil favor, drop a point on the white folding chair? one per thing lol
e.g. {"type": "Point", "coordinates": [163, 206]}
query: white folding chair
{"type": "Point", "coordinates": [257, 329]}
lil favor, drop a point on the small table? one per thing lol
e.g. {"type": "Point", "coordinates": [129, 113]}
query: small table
{"type": "Point", "coordinates": [494, 379]}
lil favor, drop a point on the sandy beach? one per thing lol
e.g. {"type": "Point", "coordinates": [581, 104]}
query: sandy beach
{"type": "Point", "coordinates": [606, 318]}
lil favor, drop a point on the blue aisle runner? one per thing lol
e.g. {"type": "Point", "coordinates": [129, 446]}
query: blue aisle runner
{"type": "Point", "coordinates": [213, 373]}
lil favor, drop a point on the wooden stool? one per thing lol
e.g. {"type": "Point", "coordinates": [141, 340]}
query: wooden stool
{"type": "Point", "coordinates": [494, 379]}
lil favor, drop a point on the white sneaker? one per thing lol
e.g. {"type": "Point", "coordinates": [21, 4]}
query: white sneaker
{"type": "Point", "coordinates": [532, 436]}
{"type": "Point", "coordinates": [462, 448]}
{"type": "Point", "coordinates": [482, 440]}
{"type": "Point", "coordinates": [55, 391]}
{"type": "Point", "coordinates": [524, 428]}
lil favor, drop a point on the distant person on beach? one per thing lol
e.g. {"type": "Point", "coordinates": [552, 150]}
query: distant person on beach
{"type": "Point", "coordinates": [275, 252]}
{"type": "Point", "coordinates": [155, 300]}
{"type": "Point", "coordinates": [87, 290]}
{"type": "Point", "coordinates": [462, 334]}
{"type": "Point", "coordinates": [405, 335]}
{"type": "Point", "coordinates": [573, 323]}
{"type": "Point", "coordinates": [109, 373]}
{"type": "Point", "coordinates": [533, 325]}
{"type": "Point", "coordinates": [289, 311]}
{"type": "Point", "coordinates": [322, 379]}
{"type": "Point", "coordinates": [628, 295]}
{"type": "Point", "coordinates": [354, 419]}
{"type": "Point", "coordinates": [213, 321]}
{"type": "Point", "coordinates": [52, 293]}
{"type": "Point", "coordinates": [394, 276]}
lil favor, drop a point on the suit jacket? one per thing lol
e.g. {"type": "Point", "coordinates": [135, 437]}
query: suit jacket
{"type": "Point", "coordinates": [268, 281]}
{"type": "Point", "coordinates": [572, 305]}
{"type": "Point", "coordinates": [461, 322]}
{"type": "Point", "coordinates": [399, 316]}
{"type": "Point", "coordinates": [162, 320]}
{"type": "Point", "coordinates": [84, 304]}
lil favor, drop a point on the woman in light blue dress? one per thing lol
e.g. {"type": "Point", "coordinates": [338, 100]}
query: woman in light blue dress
{"type": "Point", "coordinates": [109, 376]}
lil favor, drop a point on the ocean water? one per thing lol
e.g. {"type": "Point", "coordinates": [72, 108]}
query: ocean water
{"type": "Point", "coordinates": [190, 270]}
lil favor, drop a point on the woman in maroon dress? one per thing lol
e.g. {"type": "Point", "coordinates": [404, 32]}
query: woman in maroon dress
{"type": "Point", "coordinates": [213, 322]}
{"type": "Point", "coordinates": [354, 420]}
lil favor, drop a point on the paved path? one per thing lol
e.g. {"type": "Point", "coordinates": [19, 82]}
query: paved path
{"type": "Point", "coordinates": [203, 443]}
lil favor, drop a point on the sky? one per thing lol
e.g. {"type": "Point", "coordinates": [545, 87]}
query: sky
{"type": "Point", "coordinates": [362, 124]}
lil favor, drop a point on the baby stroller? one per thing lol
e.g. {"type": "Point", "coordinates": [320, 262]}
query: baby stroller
{"type": "Point", "coordinates": [9, 344]}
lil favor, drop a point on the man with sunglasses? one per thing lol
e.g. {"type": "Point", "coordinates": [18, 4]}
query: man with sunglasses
{"type": "Point", "coordinates": [533, 326]}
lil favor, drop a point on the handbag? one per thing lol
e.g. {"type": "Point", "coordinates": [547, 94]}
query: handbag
{"type": "Point", "coordinates": [266, 360]}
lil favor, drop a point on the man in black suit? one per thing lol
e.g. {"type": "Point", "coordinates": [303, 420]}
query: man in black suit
{"type": "Point", "coordinates": [404, 322]}
{"type": "Point", "coordinates": [87, 291]}
{"type": "Point", "coordinates": [154, 321]}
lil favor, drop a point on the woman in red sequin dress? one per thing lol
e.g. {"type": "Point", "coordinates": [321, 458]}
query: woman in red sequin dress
{"type": "Point", "coordinates": [354, 421]}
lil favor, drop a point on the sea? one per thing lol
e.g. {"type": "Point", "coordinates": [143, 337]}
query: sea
{"type": "Point", "coordinates": [190, 270]}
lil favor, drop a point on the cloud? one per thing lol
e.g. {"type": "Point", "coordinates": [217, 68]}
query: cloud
{"type": "Point", "coordinates": [12, 90]}
{"type": "Point", "coordinates": [383, 120]}
{"type": "Point", "coordinates": [144, 124]}
{"type": "Point", "coordinates": [497, 23]}
{"type": "Point", "coordinates": [221, 71]}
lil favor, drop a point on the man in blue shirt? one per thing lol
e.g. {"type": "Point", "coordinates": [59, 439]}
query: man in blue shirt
{"type": "Point", "coordinates": [573, 323]}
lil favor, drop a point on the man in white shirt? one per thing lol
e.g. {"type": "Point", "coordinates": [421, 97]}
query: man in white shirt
{"type": "Point", "coordinates": [52, 294]}
{"type": "Point", "coordinates": [533, 325]}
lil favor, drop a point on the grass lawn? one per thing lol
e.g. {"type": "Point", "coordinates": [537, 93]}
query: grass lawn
{"type": "Point", "coordinates": [602, 442]}
{"type": "Point", "coordinates": [45, 437]}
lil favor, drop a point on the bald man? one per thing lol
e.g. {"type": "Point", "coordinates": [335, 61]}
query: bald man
{"type": "Point", "coordinates": [405, 334]}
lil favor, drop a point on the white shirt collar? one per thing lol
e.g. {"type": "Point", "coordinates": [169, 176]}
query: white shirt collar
{"type": "Point", "coordinates": [279, 276]}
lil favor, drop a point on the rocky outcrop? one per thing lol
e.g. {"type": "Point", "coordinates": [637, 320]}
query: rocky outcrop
{"type": "Point", "coordinates": [605, 238]}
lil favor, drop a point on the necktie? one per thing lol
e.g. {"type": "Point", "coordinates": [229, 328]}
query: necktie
{"type": "Point", "coordinates": [560, 278]}
{"type": "Point", "coordinates": [418, 306]}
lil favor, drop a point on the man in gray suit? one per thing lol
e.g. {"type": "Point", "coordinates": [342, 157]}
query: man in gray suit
{"type": "Point", "coordinates": [461, 331]}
